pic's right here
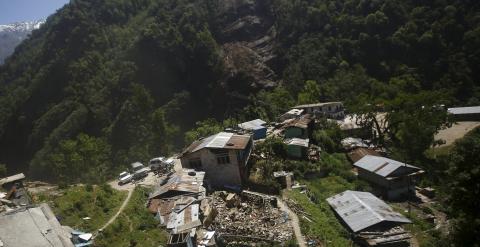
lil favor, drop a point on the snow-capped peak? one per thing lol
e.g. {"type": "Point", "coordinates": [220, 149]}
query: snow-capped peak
{"type": "Point", "coordinates": [25, 26]}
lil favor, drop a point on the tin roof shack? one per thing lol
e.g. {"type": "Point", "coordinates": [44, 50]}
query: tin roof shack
{"type": "Point", "coordinates": [393, 178]}
{"type": "Point", "coordinates": [33, 227]}
{"type": "Point", "coordinates": [223, 157]}
{"type": "Point", "coordinates": [300, 128]}
{"type": "Point", "coordinates": [257, 127]}
{"type": "Point", "coordinates": [332, 110]}
{"type": "Point", "coordinates": [471, 113]}
{"type": "Point", "coordinates": [293, 113]}
{"type": "Point", "coordinates": [372, 221]}
{"type": "Point", "coordinates": [15, 191]}
{"type": "Point", "coordinates": [297, 148]}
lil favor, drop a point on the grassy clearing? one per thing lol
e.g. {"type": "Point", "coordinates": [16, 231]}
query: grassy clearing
{"type": "Point", "coordinates": [135, 226]}
{"type": "Point", "coordinates": [325, 226]}
{"type": "Point", "coordinates": [99, 203]}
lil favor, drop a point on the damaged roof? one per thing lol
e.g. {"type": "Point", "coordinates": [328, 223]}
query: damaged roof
{"type": "Point", "coordinates": [361, 210]}
{"type": "Point", "coordinates": [13, 178]}
{"type": "Point", "coordinates": [32, 227]}
{"type": "Point", "coordinates": [222, 140]}
{"type": "Point", "coordinates": [186, 181]}
{"type": "Point", "coordinates": [301, 122]}
{"type": "Point", "coordinates": [384, 167]}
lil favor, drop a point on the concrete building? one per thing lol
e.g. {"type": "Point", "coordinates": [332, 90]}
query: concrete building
{"type": "Point", "coordinates": [332, 110]}
{"type": "Point", "coordinates": [223, 157]}
{"type": "Point", "coordinates": [33, 227]}
{"type": "Point", "coordinates": [297, 148]}
{"type": "Point", "coordinates": [393, 179]}
{"type": "Point", "coordinates": [371, 220]}
{"type": "Point", "coordinates": [471, 113]}
{"type": "Point", "coordinates": [257, 127]}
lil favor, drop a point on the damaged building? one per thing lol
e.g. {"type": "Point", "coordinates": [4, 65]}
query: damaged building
{"type": "Point", "coordinates": [332, 110]}
{"type": "Point", "coordinates": [223, 157]}
{"type": "Point", "coordinates": [301, 127]}
{"type": "Point", "coordinates": [372, 221]}
{"type": "Point", "coordinates": [392, 178]}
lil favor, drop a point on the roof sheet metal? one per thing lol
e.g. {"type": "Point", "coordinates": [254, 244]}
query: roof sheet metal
{"type": "Point", "coordinates": [298, 142]}
{"type": "Point", "coordinates": [381, 165]}
{"type": "Point", "coordinates": [317, 104]}
{"type": "Point", "coordinates": [464, 110]}
{"type": "Point", "coordinates": [361, 210]}
{"type": "Point", "coordinates": [181, 182]}
{"type": "Point", "coordinates": [253, 125]}
{"type": "Point", "coordinates": [32, 227]}
{"type": "Point", "coordinates": [220, 140]}
{"type": "Point", "coordinates": [13, 178]}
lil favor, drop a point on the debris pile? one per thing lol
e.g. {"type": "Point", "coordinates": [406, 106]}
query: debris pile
{"type": "Point", "coordinates": [252, 215]}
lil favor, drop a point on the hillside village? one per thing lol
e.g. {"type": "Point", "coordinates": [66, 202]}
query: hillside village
{"type": "Point", "coordinates": [211, 194]}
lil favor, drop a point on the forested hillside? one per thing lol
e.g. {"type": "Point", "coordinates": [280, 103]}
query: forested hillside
{"type": "Point", "coordinates": [105, 83]}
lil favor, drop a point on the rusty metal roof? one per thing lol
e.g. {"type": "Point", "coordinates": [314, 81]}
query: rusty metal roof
{"type": "Point", "coordinates": [358, 153]}
{"type": "Point", "coordinates": [186, 181]}
{"type": "Point", "coordinates": [361, 210]}
{"type": "Point", "coordinates": [301, 122]}
{"type": "Point", "coordinates": [222, 140]}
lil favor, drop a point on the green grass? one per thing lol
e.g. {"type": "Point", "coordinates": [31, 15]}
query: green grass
{"type": "Point", "coordinates": [97, 202]}
{"type": "Point", "coordinates": [325, 226]}
{"type": "Point", "coordinates": [135, 226]}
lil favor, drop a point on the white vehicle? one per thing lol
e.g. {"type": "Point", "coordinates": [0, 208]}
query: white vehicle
{"type": "Point", "coordinates": [124, 178]}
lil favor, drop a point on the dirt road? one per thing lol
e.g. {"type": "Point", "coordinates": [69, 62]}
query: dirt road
{"type": "Point", "coordinates": [124, 204]}
{"type": "Point", "coordinates": [295, 223]}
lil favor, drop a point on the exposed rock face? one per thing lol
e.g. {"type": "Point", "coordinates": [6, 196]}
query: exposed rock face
{"type": "Point", "coordinates": [248, 41]}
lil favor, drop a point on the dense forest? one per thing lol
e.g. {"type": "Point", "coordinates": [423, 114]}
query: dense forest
{"type": "Point", "coordinates": [105, 83]}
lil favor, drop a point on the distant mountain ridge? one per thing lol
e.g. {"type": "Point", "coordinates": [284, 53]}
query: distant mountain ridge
{"type": "Point", "coordinates": [13, 34]}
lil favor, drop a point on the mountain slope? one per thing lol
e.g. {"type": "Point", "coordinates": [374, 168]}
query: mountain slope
{"type": "Point", "coordinates": [111, 82]}
{"type": "Point", "coordinates": [13, 34]}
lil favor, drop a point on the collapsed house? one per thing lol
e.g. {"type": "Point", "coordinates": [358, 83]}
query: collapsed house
{"type": "Point", "coordinates": [471, 113]}
{"type": "Point", "coordinates": [297, 148]}
{"type": "Point", "coordinates": [179, 202]}
{"type": "Point", "coordinates": [284, 178]}
{"type": "Point", "coordinates": [372, 221]}
{"type": "Point", "coordinates": [257, 127]}
{"type": "Point", "coordinates": [33, 226]}
{"type": "Point", "coordinates": [16, 193]}
{"type": "Point", "coordinates": [392, 178]}
{"type": "Point", "coordinates": [223, 157]}
{"type": "Point", "coordinates": [332, 110]}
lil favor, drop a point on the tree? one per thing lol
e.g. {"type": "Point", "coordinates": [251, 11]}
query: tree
{"type": "Point", "coordinates": [463, 189]}
{"type": "Point", "coordinates": [3, 170]}
{"type": "Point", "coordinates": [310, 93]}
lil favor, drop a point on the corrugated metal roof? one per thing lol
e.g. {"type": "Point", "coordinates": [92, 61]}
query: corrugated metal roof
{"type": "Point", "coordinates": [252, 125]}
{"type": "Point", "coordinates": [382, 166]}
{"type": "Point", "coordinates": [221, 140]}
{"type": "Point", "coordinates": [361, 210]}
{"type": "Point", "coordinates": [181, 183]}
{"type": "Point", "coordinates": [298, 142]}
{"type": "Point", "coordinates": [464, 110]}
{"type": "Point", "coordinates": [13, 178]}
{"type": "Point", "coordinates": [316, 105]}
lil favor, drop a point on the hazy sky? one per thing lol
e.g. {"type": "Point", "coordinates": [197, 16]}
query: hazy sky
{"type": "Point", "coordinates": [27, 10]}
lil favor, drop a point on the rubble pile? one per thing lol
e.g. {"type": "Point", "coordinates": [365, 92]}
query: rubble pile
{"type": "Point", "coordinates": [250, 217]}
